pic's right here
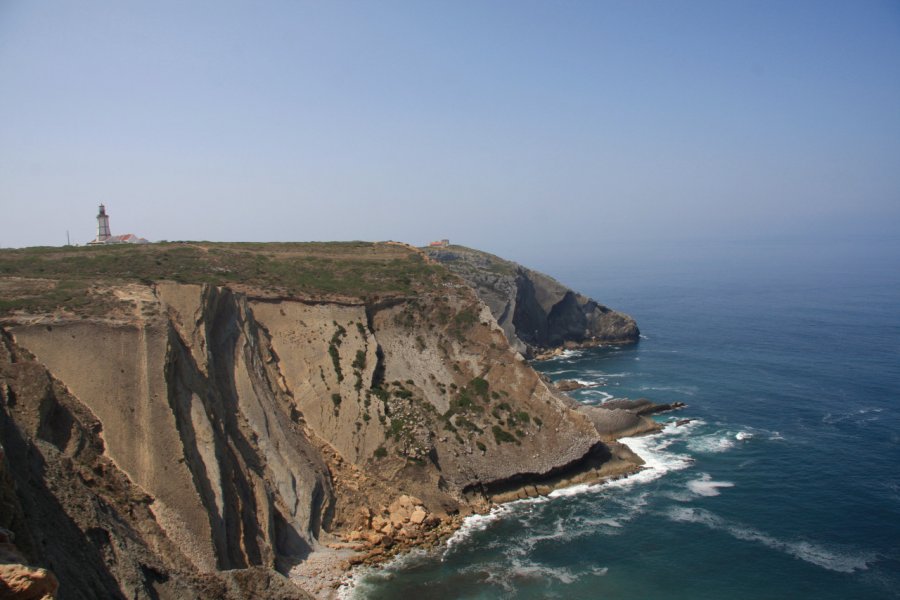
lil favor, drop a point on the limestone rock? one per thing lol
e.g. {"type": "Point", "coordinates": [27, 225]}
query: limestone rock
{"type": "Point", "coordinates": [19, 582]}
{"type": "Point", "coordinates": [230, 430]}
{"type": "Point", "coordinates": [535, 311]}
{"type": "Point", "coordinates": [568, 385]}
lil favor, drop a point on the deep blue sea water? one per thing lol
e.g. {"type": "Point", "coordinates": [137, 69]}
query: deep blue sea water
{"type": "Point", "coordinates": [786, 484]}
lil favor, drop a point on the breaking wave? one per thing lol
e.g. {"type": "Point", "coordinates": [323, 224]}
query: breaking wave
{"type": "Point", "coordinates": [657, 460]}
{"type": "Point", "coordinates": [705, 486]}
{"type": "Point", "coordinates": [713, 443]}
{"type": "Point", "coordinates": [833, 559]}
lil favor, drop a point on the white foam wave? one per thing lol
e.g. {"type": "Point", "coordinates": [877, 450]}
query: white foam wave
{"type": "Point", "coordinates": [672, 428]}
{"type": "Point", "coordinates": [575, 490]}
{"type": "Point", "coordinates": [657, 462]}
{"type": "Point", "coordinates": [743, 436]}
{"type": "Point", "coordinates": [610, 524]}
{"type": "Point", "coordinates": [604, 375]}
{"type": "Point", "coordinates": [347, 588]}
{"type": "Point", "coordinates": [354, 585]}
{"type": "Point", "coordinates": [679, 496]}
{"type": "Point", "coordinates": [856, 417]}
{"type": "Point", "coordinates": [705, 486]}
{"type": "Point", "coordinates": [518, 561]}
{"type": "Point", "coordinates": [686, 390]}
{"type": "Point", "coordinates": [513, 569]}
{"type": "Point", "coordinates": [597, 396]}
{"type": "Point", "coordinates": [531, 570]}
{"type": "Point", "coordinates": [712, 443]}
{"type": "Point", "coordinates": [475, 523]}
{"type": "Point", "coordinates": [833, 559]}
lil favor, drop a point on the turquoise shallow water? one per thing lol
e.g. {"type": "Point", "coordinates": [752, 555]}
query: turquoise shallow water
{"type": "Point", "coordinates": [786, 485]}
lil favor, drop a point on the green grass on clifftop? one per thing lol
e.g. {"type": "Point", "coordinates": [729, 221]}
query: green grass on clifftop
{"type": "Point", "coordinates": [45, 279]}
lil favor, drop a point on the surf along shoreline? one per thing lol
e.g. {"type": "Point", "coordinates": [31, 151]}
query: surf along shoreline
{"type": "Point", "coordinates": [335, 570]}
{"type": "Point", "coordinates": [353, 575]}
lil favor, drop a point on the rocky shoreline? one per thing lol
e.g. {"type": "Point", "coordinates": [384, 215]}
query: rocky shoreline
{"type": "Point", "coordinates": [406, 525]}
{"type": "Point", "coordinates": [536, 312]}
{"type": "Point", "coordinates": [583, 345]}
{"type": "Point", "coordinates": [260, 424]}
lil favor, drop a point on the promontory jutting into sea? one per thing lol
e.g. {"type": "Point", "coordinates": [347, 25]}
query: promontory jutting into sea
{"type": "Point", "coordinates": [385, 418]}
{"type": "Point", "coordinates": [583, 300]}
{"type": "Point", "coordinates": [241, 406]}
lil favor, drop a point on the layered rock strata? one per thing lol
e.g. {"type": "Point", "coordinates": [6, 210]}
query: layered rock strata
{"type": "Point", "coordinates": [205, 440]}
{"type": "Point", "coordinates": [536, 312]}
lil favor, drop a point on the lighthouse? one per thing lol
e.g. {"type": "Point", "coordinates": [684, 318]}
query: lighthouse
{"type": "Point", "coordinates": [102, 225]}
{"type": "Point", "coordinates": [105, 237]}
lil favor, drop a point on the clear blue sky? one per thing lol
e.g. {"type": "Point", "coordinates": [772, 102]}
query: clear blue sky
{"type": "Point", "coordinates": [525, 128]}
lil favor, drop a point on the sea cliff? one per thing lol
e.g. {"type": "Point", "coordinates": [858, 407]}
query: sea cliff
{"type": "Point", "coordinates": [537, 313]}
{"type": "Point", "coordinates": [198, 420]}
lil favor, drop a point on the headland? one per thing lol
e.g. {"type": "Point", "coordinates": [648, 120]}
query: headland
{"type": "Point", "coordinates": [215, 420]}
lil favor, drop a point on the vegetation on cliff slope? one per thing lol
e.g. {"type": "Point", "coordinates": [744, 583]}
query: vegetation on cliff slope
{"type": "Point", "coordinates": [296, 400]}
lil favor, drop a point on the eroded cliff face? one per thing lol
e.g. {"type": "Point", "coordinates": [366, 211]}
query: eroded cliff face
{"type": "Point", "coordinates": [68, 507]}
{"type": "Point", "coordinates": [536, 312]}
{"type": "Point", "coordinates": [190, 413]}
{"type": "Point", "coordinates": [241, 429]}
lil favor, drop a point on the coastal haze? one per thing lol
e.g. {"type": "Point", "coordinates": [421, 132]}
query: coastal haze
{"type": "Point", "coordinates": [719, 181]}
{"type": "Point", "coordinates": [531, 130]}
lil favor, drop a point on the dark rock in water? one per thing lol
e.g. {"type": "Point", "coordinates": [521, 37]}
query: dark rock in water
{"type": "Point", "coordinates": [616, 423]}
{"type": "Point", "coordinates": [681, 422]}
{"type": "Point", "coordinates": [624, 418]}
{"type": "Point", "coordinates": [642, 406]}
{"type": "Point", "coordinates": [568, 385]}
{"type": "Point", "coordinates": [536, 312]}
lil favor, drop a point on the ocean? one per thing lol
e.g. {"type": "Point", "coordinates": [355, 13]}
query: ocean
{"type": "Point", "coordinates": [785, 484]}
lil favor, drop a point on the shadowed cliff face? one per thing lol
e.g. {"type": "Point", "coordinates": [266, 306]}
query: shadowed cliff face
{"type": "Point", "coordinates": [536, 312]}
{"type": "Point", "coordinates": [74, 511]}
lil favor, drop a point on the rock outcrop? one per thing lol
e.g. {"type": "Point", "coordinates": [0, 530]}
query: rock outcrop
{"type": "Point", "coordinates": [642, 406]}
{"type": "Point", "coordinates": [536, 312]}
{"type": "Point", "coordinates": [18, 579]}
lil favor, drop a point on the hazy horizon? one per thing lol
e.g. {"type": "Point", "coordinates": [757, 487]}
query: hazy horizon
{"type": "Point", "coordinates": [532, 130]}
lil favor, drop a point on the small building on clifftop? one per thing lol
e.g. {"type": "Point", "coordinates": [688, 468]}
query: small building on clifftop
{"type": "Point", "coordinates": [105, 237]}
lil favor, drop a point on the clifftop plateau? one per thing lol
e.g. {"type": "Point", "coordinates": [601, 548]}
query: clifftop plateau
{"type": "Point", "coordinates": [198, 419]}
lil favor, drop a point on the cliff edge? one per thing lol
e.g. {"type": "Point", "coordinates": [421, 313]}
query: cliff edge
{"type": "Point", "coordinates": [536, 312]}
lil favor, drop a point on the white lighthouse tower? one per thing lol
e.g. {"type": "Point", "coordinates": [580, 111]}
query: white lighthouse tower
{"type": "Point", "coordinates": [102, 225]}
